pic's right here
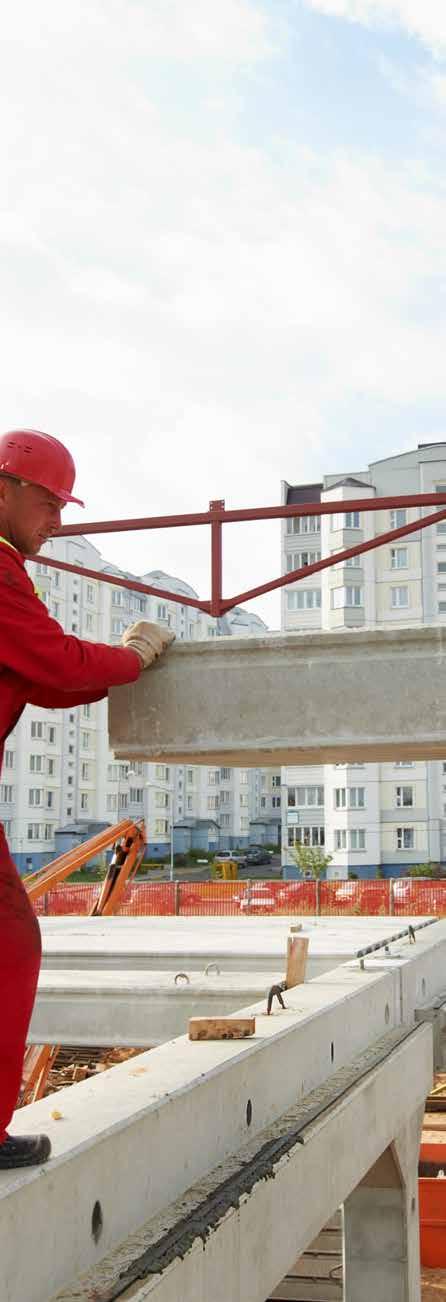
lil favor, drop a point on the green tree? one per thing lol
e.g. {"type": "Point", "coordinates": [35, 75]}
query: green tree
{"type": "Point", "coordinates": [311, 860]}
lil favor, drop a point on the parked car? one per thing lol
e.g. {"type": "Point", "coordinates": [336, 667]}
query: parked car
{"type": "Point", "coordinates": [235, 855]}
{"type": "Point", "coordinates": [255, 857]}
{"type": "Point", "coordinates": [261, 899]}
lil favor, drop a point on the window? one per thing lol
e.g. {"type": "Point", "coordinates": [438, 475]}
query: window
{"type": "Point", "coordinates": [398, 558]}
{"type": "Point", "coordinates": [398, 518]}
{"type": "Point", "coordinates": [37, 729]}
{"type": "Point", "coordinates": [136, 795]}
{"type": "Point", "coordinates": [85, 770]}
{"type": "Point", "coordinates": [225, 820]}
{"type": "Point", "coordinates": [263, 802]}
{"type": "Point", "coordinates": [441, 567]}
{"type": "Point", "coordinates": [349, 596]}
{"type": "Point", "coordinates": [84, 800]}
{"type": "Point", "coordinates": [352, 520]}
{"type": "Point", "coordinates": [161, 827]}
{"type": "Point", "coordinates": [340, 838]}
{"type": "Point", "coordinates": [225, 797]}
{"type": "Point", "coordinates": [243, 777]}
{"type": "Point", "coordinates": [356, 797]}
{"type": "Point", "coordinates": [70, 782]}
{"type": "Point", "coordinates": [300, 560]}
{"type": "Point", "coordinates": [118, 597]}
{"type": "Point", "coordinates": [75, 598]}
{"type": "Point", "coordinates": [89, 622]}
{"type": "Point", "coordinates": [56, 578]}
{"type": "Point", "coordinates": [51, 735]}
{"type": "Point", "coordinates": [340, 798]}
{"type": "Point", "coordinates": [303, 524]}
{"type": "Point", "coordinates": [33, 831]}
{"type": "Point", "coordinates": [357, 838]}
{"type": "Point", "coordinates": [139, 604]}
{"type": "Point", "coordinates": [161, 772]}
{"type": "Point", "coordinates": [212, 802]}
{"type": "Point", "coordinates": [305, 796]}
{"type": "Point", "coordinates": [118, 626]}
{"type": "Point", "coordinates": [304, 599]}
{"type": "Point", "coordinates": [86, 740]}
{"type": "Point", "coordinates": [50, 799]}
{"type": "Point", "coordinates": [71, 750]}
{"type": "Point", "coordinates": [69, 811]}
{"type": "Point", "coordinates": [6, 794]}
{"type": "Point", "coordinates": [442, 607]}
{"type": "Point", "coordinates": [399, 597]}
{"type": "Point", "coordinates": [189, 802]}
{"type": "Point", "coordinates": [161, 612]}
{"type": "Point", "coordinates": [213, 778]}
{"type": "Point", "coordinates": [48, 831]}
{"type": "Point", "coordinates": [243, 799]}
{"type": "Point", "coordinates": [405, 838]}
{"type": "Point", "coordinates": [55, 609]}
{"type": "Point", "coordinates": [225, 774]}
{"type": "Point", "coordinates": [276, 802]}
{"type": "Point", "coordinates": [41, 569]}
{"type": "Point", "coordinates": [353, 562]}
{"type": "Point", "coordinates": [162, 799]}
{"type": "Point", "coordinates": [112, 804]}
{"type": "Point", "coordinates": [36, 763]}
{"type": "Point", "coordinates": [404, 797]}
{"type": "Point", "coordinates": [306, 836]}
{"type": "Point", "coordinates": [408, 764]}
{"type": "Point", "coordinates": [276, 780]}
{"type": "Point", "coordinates": [123, 800]}
{"type": "Point", "coordinates": [9, 759]}
{"type": "Point", "coordinates": [190, 777]}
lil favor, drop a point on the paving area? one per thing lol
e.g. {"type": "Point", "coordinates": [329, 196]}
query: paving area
{"type": "Point", "coordinates": [317, 1275]}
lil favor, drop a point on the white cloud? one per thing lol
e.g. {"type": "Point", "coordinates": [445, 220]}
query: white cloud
{"type": "Point", "coordinates": [424, 19]}
{"type": "Point", "coordinates": [186, 306]}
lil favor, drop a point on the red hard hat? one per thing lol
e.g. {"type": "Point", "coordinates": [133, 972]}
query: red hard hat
{"type": "Point", "coordinates": [39, 459]}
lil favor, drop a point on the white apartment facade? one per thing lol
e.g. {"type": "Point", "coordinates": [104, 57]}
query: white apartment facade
{"type": "Point", "coordinates": [369, 817]}
{"type": "Point", "coordinates": [59, 773]}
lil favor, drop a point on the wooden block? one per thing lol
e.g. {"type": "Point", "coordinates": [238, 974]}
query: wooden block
{"type": "Point", "coordinates": [221, 1028]}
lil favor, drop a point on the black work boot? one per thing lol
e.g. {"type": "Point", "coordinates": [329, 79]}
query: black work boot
{"type": "Point", "coordinates": [24, 1150]}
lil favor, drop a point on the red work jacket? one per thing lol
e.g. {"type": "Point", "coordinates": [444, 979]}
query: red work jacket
{"type": "Point", "coordinates": [39, 663]}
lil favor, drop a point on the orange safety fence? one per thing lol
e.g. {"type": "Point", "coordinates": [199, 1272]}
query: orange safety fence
{"type": "Point", "coordinates": [241, 899]}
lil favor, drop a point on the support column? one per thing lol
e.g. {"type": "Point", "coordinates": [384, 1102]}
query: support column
{"type": "Point", "coordinates": [381, 1228]}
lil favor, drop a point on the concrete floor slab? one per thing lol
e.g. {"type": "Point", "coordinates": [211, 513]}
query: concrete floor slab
{"type": "Point", "coordinates": [178, 944]}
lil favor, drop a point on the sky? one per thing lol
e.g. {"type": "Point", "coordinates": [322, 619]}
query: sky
{"type": "Point", "coordinates": [222, 252]}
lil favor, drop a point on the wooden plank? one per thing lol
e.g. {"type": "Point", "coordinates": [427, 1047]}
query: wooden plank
{"type": "Point", "coordinates": [221, 1028]}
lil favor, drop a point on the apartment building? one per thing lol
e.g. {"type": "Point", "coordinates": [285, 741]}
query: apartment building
{"type": "Point", "coordinates": [368, 816]}
{"type": "Point", "coordinates": [59, 774]}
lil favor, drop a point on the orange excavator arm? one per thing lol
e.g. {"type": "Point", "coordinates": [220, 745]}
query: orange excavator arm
{"type": "Point", "coordinates": [45, 879]}
{"type": "Point", "coordinates": [128, 838]}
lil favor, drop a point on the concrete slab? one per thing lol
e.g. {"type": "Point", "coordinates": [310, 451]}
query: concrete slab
{"type": "Point", "coordinates": [135, 1008]}
{"type": "Point", "coordinates": [236, 944]}
{"type": "Point", "coordinates": [288, 700]}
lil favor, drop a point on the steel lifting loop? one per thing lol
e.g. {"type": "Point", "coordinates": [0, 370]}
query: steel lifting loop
{"type": "Point", "coordinates": [212, 967]}
{"type": "Point", "coordinates": [182, 976]}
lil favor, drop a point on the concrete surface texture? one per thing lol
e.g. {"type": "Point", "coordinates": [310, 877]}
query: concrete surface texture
{"type": "Point", "coordinates": [133, 1141]}
{"type": "Point", "coordinates": [288, 700]}
{"type": "Point", "coordinates": [172, 944]}
{"type": "Point", "coordinates": [116, 1007]}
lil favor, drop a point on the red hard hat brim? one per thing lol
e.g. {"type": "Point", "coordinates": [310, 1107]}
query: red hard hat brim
{"type": "Point", "coordinates": [67, 497]}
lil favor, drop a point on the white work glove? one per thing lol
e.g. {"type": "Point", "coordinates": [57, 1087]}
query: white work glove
{"type": "Point", "coordinates": [148, 640]}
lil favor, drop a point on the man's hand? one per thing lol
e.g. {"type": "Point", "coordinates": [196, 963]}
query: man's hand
{"type": "Point", "coordinates": [148, 640]}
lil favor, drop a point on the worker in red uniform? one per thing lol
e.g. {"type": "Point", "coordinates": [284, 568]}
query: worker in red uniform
{"type": "Point", "coordinates": [39, 665]}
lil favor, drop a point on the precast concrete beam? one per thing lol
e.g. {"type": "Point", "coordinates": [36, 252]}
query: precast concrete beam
{"type": "Point", "coordinates": [131, 1141]}
{"type": "Point", "coordinates": [300, 698]}
{"type": "Point", "coordinates": [232, 1237]}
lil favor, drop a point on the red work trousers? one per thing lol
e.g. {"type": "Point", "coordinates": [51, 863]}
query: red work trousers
{"type": "Point", "coordinates": [20, 952]}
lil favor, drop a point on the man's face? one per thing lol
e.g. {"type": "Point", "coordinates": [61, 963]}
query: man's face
{"type": "Point", "coordinates": [29, 515]}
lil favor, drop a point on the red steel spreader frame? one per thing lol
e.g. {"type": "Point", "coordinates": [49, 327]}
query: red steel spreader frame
{"type": "Point", "coordinates": [217, 516]}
